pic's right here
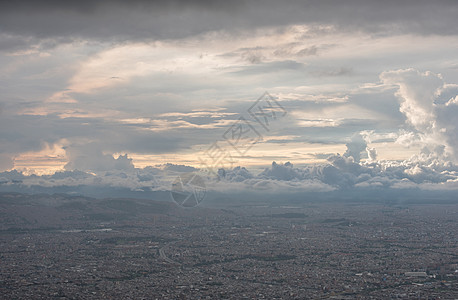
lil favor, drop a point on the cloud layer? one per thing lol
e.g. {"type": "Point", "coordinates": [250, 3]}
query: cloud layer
{"type": "Point", "coordinates": [425, 100]}
{"type": "Point", "coordinates": [142, 19]}
{"type": "Point", "coordinates": [108, 95]}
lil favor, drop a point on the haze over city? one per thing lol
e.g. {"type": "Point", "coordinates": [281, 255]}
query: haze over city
{"type": "Point", "coordinates": [143, 131]}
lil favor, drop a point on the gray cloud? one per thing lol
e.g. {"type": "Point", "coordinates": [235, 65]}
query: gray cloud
{"type": "Point", "coordinates": [88, 158]}
{"type": "Point", "coordinates": [428, 171]}
{"type": "Point", "coordinates": [168, 167]}
{"type": "Point", "coordinates": [24, 133]}
{"type": "Point", "coordinates": [342, 71]}
{"type": "Point", "coordinates": [271, 67]}
{"type": "Point", "coordinates": [371, 153]}
{"type": "Point", "coordinates": [6, 161]}
{"type": "Point", "coordinates": [434, 121]}
{"type": "Point", "coordinates": [375, 179]}
{"type": "Point", "coordinates": [238, 174]}
{"type": "Point", "coordinates": [176, 19]}
{"type": "Point", "coordinates": [355, 147]}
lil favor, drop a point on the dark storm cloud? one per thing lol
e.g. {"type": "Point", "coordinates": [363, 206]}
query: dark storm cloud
{"type": "Point", "coordinates": [13, 43]}
{"type": "Point", "coordinates": [175, 19]}
{"type": "Point", "coordinates": [112, 19]}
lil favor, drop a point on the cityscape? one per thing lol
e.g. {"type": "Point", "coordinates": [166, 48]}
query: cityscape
{"type": "Point", "coordinates": [81, 248]}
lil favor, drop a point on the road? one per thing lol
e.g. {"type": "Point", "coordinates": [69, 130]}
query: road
{"type": "Point", "coordinates": [164, 256]}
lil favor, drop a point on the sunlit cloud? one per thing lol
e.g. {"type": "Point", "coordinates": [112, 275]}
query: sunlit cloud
{"type": "Point", "coordinates": [150, 97]}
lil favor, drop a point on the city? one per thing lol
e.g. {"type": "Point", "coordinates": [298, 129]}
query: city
{"type": "Point", "coordinates": [156, 250]}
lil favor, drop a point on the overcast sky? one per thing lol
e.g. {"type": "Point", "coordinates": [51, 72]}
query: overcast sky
{"type": "Point", "coordinates": [114, 85]}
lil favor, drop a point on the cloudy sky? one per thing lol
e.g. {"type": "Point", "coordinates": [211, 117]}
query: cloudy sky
{"type": "Point", "coordinates": [360, 94]}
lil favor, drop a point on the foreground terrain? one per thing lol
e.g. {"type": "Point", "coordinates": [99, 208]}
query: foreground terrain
{"type": "Point", "coordinates": [56, 246]}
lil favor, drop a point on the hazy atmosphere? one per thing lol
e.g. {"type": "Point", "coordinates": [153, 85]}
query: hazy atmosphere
{"type": "Point", "coordinates": [229, 149]}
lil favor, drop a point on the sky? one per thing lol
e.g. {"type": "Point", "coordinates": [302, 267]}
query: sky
{"type": "Point", "coordinates": [303, 96]}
